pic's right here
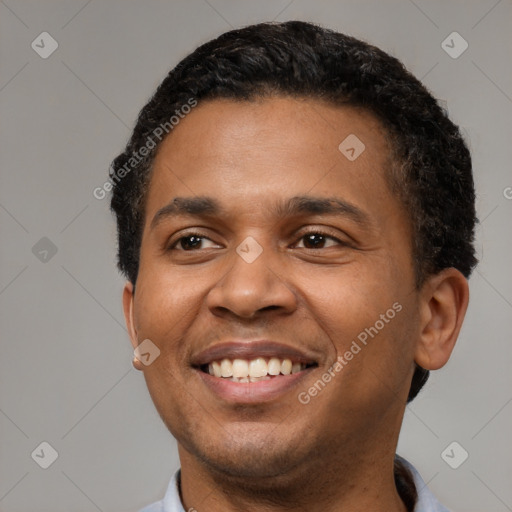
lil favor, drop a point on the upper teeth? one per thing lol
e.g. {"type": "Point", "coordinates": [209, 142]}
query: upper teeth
{"type": "Point", "coordinates": [259, 367]}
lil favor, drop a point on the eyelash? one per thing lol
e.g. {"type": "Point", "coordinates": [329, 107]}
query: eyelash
{"type": "Point", "coordinates": [303, 235]}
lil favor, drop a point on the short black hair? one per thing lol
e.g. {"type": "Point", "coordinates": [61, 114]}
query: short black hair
{"type": "Point", "coordinates": [430, 172]}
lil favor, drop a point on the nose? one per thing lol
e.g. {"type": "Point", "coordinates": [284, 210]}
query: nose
{"type": "Point", "coordinates": [247, 289]}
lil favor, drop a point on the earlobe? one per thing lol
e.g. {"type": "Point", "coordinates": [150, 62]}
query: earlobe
{"type": "Point", "coordinates": [128, 300]}
{"type": "Point", "coordinates": [444, 301]}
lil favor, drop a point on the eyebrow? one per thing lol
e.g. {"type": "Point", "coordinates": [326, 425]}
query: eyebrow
{"type": "Point", "coordinates": [204, 206]}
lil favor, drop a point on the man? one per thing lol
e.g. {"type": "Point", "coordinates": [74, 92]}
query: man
{"type": "Point", "coordinates": [295, 218]}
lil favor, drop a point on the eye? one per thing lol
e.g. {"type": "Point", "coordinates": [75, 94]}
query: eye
{"type": "Point", "coordinates": [189, 242]}
{"type": "Point", "coordinates": [318, 240]}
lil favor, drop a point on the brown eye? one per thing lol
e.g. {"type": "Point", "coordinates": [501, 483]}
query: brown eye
{"type": "Point", "coordinates": [190, 242]}
{"type": "Point", "coordinates": [317, 240]}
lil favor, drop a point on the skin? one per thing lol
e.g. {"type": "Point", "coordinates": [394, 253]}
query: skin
{"type": "Point", "coordinates": [335, 453]}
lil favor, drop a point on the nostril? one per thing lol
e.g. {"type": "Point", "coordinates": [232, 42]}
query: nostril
{"type": "Point", "coordinates": [269, 308]}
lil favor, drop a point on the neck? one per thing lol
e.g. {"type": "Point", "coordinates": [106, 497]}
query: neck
{"type": "Point", "coordinates": [349, 482]}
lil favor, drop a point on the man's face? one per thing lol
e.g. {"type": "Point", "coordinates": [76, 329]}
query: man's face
{"type": "Point", "coordinates": [311, 280]}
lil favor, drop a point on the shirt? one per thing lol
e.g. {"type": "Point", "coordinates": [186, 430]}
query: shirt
{"type": "Point", "coordinates": [172, 503]}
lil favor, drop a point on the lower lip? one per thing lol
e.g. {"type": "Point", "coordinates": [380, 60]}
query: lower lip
{"type": "Point", "coordinates": [253, 392]}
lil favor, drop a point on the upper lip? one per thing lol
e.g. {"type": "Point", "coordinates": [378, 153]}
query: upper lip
{"type": "Point", "coordinates": [251, 350]}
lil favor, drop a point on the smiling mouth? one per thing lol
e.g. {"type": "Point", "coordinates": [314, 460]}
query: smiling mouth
{"type": "Point", "coordinates": [254, 370]}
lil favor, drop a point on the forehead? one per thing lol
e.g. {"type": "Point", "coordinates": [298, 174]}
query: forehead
{"type": "Point", "coordinates": [248, 152]}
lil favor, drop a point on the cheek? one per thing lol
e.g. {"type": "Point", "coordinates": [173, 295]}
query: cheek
{"type": "Point", "coordinates": [367, 316]}
{"type": "Point", "coordinates": [347, 300]}
{"type": "Point", "coordinates": [166, 307]}
{"type": "Point", "coordinates": [166, 297]}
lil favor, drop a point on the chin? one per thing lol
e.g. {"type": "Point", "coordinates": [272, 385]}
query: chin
{"type": "Point", "coordinates": [258, 456]}
{"type": "Point", "coordinates": [249, 463]}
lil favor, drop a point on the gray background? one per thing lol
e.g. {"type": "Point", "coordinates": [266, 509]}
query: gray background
{"type": "Point", "coordinates": [65, 361]}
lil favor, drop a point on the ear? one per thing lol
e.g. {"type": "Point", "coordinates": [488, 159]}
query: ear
{"type": "Point", "coordinates": [444, 300]}
{"type": "Point", "coordinates": [128, 299]}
